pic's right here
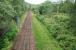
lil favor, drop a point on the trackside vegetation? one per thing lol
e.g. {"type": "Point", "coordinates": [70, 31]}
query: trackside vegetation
{"type": "Point", "coordinates": [53, 23]}
{"type": "Point", "coordinates": [43, 41]}
{"type": "Point", "coordinates": [59, 19]}
{"type": "Point", "coordinates": [11, 12]}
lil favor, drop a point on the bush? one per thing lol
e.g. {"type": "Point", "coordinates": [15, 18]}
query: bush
{"type": "Point", "coordinates": [59, 28]}
{"type": "Point", "coordinates": [8, 37]}
{"type": "Point", "coordinates": [4, 42]}
{"type": "Point", "coordinates": [12, 33]}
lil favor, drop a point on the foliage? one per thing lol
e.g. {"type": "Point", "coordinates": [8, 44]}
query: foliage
{"type": "Point", "coordinates": [9, 9]}
{"type": "Point", "coordinates": [12, 33]}
{"type": "Point", "coordinates": [61, 22]}
{"type": "Point", "coordinates": [8, 37]}
{"type": "Point", "coordinates": [43, 42]}
{"type": "Point", "coordinates": [45, 8]}
{"type": "Point", "coordinates": [59, 28]}
{"type": "Point", "coordinates": [66, 7]}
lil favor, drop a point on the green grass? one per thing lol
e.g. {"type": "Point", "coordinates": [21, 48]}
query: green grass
{"type": "Point", "coordinates": [43, 42]}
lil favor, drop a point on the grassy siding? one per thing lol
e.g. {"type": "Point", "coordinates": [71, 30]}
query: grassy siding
{"type": "Point", "coordinates": [43, 42]}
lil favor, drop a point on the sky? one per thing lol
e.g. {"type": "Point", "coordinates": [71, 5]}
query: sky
{"type": "Point", "coordinates": [39, 1]}
{"type": "Point", "coordinates": [35, 1]}
{"type": "Point", "coordinates": [54, 0]}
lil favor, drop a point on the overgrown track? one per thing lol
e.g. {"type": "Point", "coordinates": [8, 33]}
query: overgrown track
{"type": "Point", "coordinates": [25, 39]}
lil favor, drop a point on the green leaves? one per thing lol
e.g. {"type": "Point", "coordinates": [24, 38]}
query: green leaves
{"type": "Point", "coordinates": [9, 9]}
{"type": "Point", "coordinates": [59, 27]}
{"type": "Point", "coordinates": [8, 37]}
{"type": "Point", "coordinates": [44, 9]}
{"type": "Point", "coordinates": [60, 20]}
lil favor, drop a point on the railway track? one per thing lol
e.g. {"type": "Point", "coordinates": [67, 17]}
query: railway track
{"type": "Point", "coordinates": [25, 39]}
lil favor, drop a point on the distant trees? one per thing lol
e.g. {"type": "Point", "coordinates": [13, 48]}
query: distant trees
{"type": "Point", "coordinates": [66, 7]}
{"type": "Point", "coordinates": [44, 8]}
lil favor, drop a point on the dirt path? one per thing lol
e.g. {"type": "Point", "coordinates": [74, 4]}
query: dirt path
{"type": "Point", "coordinates": [25, 39]}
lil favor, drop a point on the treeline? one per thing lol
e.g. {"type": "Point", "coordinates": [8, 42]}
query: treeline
{"type": "Point", "coordinates": [60, 20]}
{"type": "Point", "coordinates": [9, 10]}
{"type": "Point", "coordinates": [67, 6]}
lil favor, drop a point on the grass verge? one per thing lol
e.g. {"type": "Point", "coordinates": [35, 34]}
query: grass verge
{"type": "Point", "coordinates": [43, 42]}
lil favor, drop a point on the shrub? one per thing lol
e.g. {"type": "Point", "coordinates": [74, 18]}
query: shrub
{"type": "Point", "coordinates": [8, 37]}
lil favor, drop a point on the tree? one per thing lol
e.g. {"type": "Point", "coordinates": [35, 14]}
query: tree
{"type": "Point", "coordinates": [65, 6]}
